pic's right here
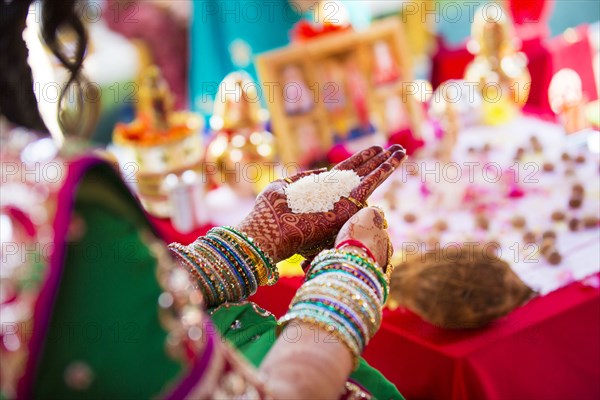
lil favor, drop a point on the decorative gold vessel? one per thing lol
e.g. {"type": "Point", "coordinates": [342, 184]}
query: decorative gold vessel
{"type": "Point", "coordinates": [159, 142]}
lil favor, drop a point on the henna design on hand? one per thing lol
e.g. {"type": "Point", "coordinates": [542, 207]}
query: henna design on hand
{"type": "Point", "coordinates": [378, 220]}
{"type": "Point", "coordinates": [367, 227]}
{"type": "Point", "coordinates": [281, 233]}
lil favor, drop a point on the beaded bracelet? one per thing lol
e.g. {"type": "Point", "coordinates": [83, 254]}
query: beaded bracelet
{"type": "Point", "coordinates": [344, 293]}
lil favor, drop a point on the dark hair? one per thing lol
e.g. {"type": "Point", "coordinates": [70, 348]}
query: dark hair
{"type": "Point", "coordinates": [17, 99]}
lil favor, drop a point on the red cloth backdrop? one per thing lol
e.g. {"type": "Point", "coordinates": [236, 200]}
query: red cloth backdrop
{"type": "Point", "coordinates": [546, 57]}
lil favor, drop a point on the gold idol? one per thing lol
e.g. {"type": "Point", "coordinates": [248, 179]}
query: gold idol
{"type": "Point", "coordinates": [498, 68]}
{"type": "Point", "coordinates": [240, 148]}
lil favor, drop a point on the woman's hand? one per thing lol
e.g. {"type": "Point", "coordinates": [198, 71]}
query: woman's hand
{"type": "Point", "coordinates": [367, 227]}
{"type": "Point", "coordinates": [315, 366]}
{"type": "Point", "coordinates": [281, 233]}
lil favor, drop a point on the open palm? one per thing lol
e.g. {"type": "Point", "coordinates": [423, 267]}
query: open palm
{"type": "Point", "coordinates": [281, 233]}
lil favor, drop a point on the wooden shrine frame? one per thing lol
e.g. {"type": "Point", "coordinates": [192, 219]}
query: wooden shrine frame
{"type": "Point", "coordinates": [308, 57]}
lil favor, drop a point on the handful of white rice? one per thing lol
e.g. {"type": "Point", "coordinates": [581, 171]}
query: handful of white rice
{"type": "Point", "coordinates": [319, 192]}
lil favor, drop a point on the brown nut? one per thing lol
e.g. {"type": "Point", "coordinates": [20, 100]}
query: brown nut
{"type": "Point", "coordinates": [578, 189]}
{"type": "Point", "coordinates": [482, 222]}
{"type": "Point", "coordinates": [410, 218]}
{"type": "Point", "coordinates": [575, 202]}
{"type": "Point", "coordinates": [518, 221]}
{"type": "Point", "coordinates": [574, 224]}
{"type": "Point", "coordinates": [554, 258]}
{"type": "Point", "coordinates": [536, 144]}
{"type": "Point", "coordinates": [441, 225]}
{"type": "Point", "coordinates": [558, 216]}
{"type": "Point", "coordinates": [548, 167]}
{"type": "Point", "coordinates": [590, 221]}
{"type": "Point", "coordinates": [529, 237]}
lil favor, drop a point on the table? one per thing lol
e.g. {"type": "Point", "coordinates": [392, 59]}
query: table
{"type": "Point", "coordinates": [547, 349]}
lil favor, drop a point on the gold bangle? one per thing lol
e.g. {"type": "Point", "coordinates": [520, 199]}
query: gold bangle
{"type": "Point", "coordinates": [389, 268]}
{"type": "Point", "coordinates": [287, 180]}
{"type": "Point", "coordinates": [357, 203]}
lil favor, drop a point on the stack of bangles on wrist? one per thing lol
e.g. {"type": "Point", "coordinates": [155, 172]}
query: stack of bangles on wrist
{"type": "Point", "coordinates": [227, 265]}
{"type": "Point", "coordinates": [343, 294]}
{"type": "Point", "coordinates": [358, 244]}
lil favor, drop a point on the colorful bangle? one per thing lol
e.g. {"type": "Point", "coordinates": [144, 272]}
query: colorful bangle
{"type": "Point", "coordinates": [343, 292]}
{"type": "Point", "coordinates": [241, 272]}
{"type": "Point", "coordinates": [273, 272]}
{"type": "Point", "coordinates": [350, 257]}
{"type": "Point", "coordinates": [356, 243]}
{"type": "Point", "coordinates": [351, 297]}
{"type": "Point", "coordinates": [227, 264]}
{"type": "Point", "coordinates": [265, 257]}
{"type": "Point", "coordinates": [358, 273]}
{"type": "Point", "coordinates": [219, 269]}
{"type": "Point", "coordinates": [352, 293]}
{"type": "Point", "coordinates": [253, 257]}
{"type": "Point", "coordinates": [204, 282]}
{"type": "Point", "coordinates": [216, 269]}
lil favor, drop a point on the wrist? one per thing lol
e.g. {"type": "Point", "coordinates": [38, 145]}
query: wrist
{"type": "Point", "coordinates": [261, 248]}
{"type": "Point", "coordinates": [356, 246]}
{"type": "Point", "coordinates": [266, 245]}
{"type": "Point", "coordinates": [327, 299]}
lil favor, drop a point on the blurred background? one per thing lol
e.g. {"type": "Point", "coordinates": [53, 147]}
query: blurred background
{"type": "Point", "coordinates": [197, 43]}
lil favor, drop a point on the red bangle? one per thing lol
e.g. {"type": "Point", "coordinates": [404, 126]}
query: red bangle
{"type": "Point", "coordinates": [356, 243]}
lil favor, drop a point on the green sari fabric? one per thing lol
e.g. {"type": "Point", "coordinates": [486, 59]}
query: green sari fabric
{"type": "Point", "coordinates": [106, 311]}
{"type": "Point", "coordinates": [252, 331]}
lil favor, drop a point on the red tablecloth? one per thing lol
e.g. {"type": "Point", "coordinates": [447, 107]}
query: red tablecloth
{"type": "Point", "coordinates": [169, 234]}
{"type": "Point", "coordinates": [547, 349]}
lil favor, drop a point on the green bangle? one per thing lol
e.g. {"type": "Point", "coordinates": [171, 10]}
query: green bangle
{"type": "Point", "coordinates": [274, 273]}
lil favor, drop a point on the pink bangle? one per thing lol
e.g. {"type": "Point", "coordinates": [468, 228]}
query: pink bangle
{"type": "Point", "coordinates": [356, 243]}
